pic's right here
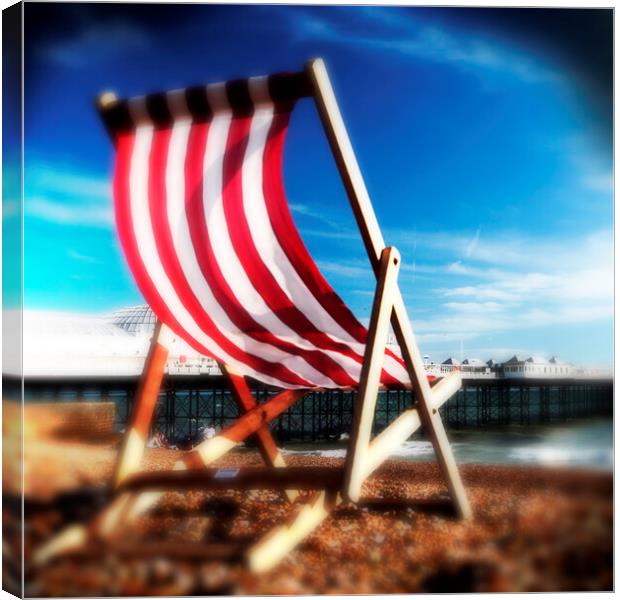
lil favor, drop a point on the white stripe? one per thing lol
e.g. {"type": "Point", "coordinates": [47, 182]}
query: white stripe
{"type": "Point", "coordinates": [139, 113]}
{"type": "Point", "coordinates": [178, 105]}
{"type": "Point", "coordinates": [222, 245]}
{"type": "Point", "coordinates": [142, 227]}
{"type": "Point", "coordinates": [274, 257]}
{"type": "Point", "coordinates": [184, 249]}
{"type": "Point", "coordinates": [259, 91]}
{"type": "Point", "coordinates": [226, 255]}
{"type": "Point", "coordinates": [217, 228]}
{"type": "Point", "coordinates": [267, 245]}
{"type": "Point", "coordinates": [216, 96]}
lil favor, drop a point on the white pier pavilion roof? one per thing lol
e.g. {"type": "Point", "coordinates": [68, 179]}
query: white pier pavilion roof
{"type": "Point", "coordinates": [63, 344]}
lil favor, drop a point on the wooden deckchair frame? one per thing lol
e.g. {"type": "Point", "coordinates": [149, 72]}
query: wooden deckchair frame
{"type": "Point", "coordinates": [363, 455]}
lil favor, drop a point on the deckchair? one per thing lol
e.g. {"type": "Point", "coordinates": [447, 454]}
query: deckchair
{"type": "Point", "coordinates": [205, 226]}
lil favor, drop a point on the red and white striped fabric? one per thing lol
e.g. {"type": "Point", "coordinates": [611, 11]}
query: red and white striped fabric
{"type": "Point", "coordinates": [206, 229]}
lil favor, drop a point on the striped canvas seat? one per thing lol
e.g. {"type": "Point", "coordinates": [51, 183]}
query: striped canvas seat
{"type": "Point", "coordinates": [206, 229]}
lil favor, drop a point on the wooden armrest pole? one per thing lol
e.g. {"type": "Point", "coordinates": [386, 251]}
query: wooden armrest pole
{"type": "Point", "coordinates": [373, 241]}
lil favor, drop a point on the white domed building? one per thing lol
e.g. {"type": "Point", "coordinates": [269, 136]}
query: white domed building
{"type": "Point", "coordinates": [60, 344]}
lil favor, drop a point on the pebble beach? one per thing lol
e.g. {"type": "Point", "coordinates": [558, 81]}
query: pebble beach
{"type": "Point", "coordinates": [534, 529]}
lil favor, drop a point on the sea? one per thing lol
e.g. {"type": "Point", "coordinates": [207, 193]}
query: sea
{"type": "Point", "coordinates": [585, 444]}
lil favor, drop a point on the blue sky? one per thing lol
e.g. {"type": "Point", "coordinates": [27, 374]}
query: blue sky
{"type": "Point", "coordinates": [487, 155]}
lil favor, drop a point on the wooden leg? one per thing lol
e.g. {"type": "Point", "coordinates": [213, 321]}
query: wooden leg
{"type": "Point", "coordinates": [129, 506]}
{"type": "Point", "coordinates": [429, 415]}
{"type": "Point", "coordinates": [246, 402]}
{"type": "Point", "coordinates": [137, 432]}
{"type": "Point", "coordinates": [68, 539]}
{"type": "Point", "coordinates": [365, 456]}
{"type": "Point", "coordinates": [249, 423]}
{"type": "Point", "coordinates": [126, 507]}
{"type": "Point", "coordinates": [134, 443]}
{"type": "Point", "coordinates": [131, 453]}
{"type": "Point", "coordinates": [364, 410]}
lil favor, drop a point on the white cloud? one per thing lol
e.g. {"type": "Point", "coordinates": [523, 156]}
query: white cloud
{"type": "Point", "coordinates": [352, 269]}
{"type": "Point", "coordinates": [309, 211]}
{"type": "Point", "coordinates": [474, 306]}
{"type": "Point", "coordinates": [599, 181]}
{"type": "Point", "coordinates": [590, 169]}
{"type": "Point", "coordinates": [401, 34]}
{"type": "Point", "coordinates": [506, 250]}
{"type": "Point", "coordinates": [513, 283]}
{"type": "Point", "coordinates": [501, 283]}
{"type": "Point", "coordinates": [473, 244]}
{"type": "Point", "coordinates": [333, 234]}
{"type": "Point", "coordinates": [63, 214]}
{"type": "Point", "coordinates": [83, 257]}
{"type": "Point", "coordinates": [64, 195]}
{"type": "Point", "coordinates": [67, 181]}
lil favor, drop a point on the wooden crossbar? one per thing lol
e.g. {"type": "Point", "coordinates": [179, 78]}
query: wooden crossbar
{"type": "Point", "coordinates": [226, 551]}
{"type": "Point", "coordinates": [247, 478]}
{"type": "Point", "coordinates": [246, 402]}
{"type": "Point", "coordinates": [406, 424]}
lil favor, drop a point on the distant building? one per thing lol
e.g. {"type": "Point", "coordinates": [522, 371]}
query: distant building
{"type": "Point", "coordinates": [452, 361]}
{"type": "Point", "coordinates": [473, 362]}
{"type": "Point", "coordinates": [475, 367]}
{"type": "Point", "coordinates": [448, 366]}
{"type": "Point", "coordinates": [493, 364]}
{"type": "Point", "coordinates": [519, 367]}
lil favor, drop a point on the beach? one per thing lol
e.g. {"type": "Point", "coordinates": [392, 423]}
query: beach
{"type": "Point", "coordinates": [534, 529]}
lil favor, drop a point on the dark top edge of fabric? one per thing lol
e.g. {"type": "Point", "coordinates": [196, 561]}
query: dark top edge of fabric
{"type": "Point", "coordinates": [197, 103]}
{"type": "Point", "coordinates": [158, 110]}
{"type": "Point", "coordinates": [284, 89]}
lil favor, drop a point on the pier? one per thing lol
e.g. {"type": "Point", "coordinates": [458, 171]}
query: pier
{"type": "Point", "coordinates": [190, 403]}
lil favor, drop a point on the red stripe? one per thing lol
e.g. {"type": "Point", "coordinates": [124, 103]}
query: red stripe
{"type": "Point", "coordinates": [260, 276]}
{"type": "Point", "coordinates": [211, 270]}
{"type": "Point", "coordinates": [124, 224]}
{"type": "Point", "coordinates": [158, 162]}
{"type": "Point", "coordinates": [288, 236]}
